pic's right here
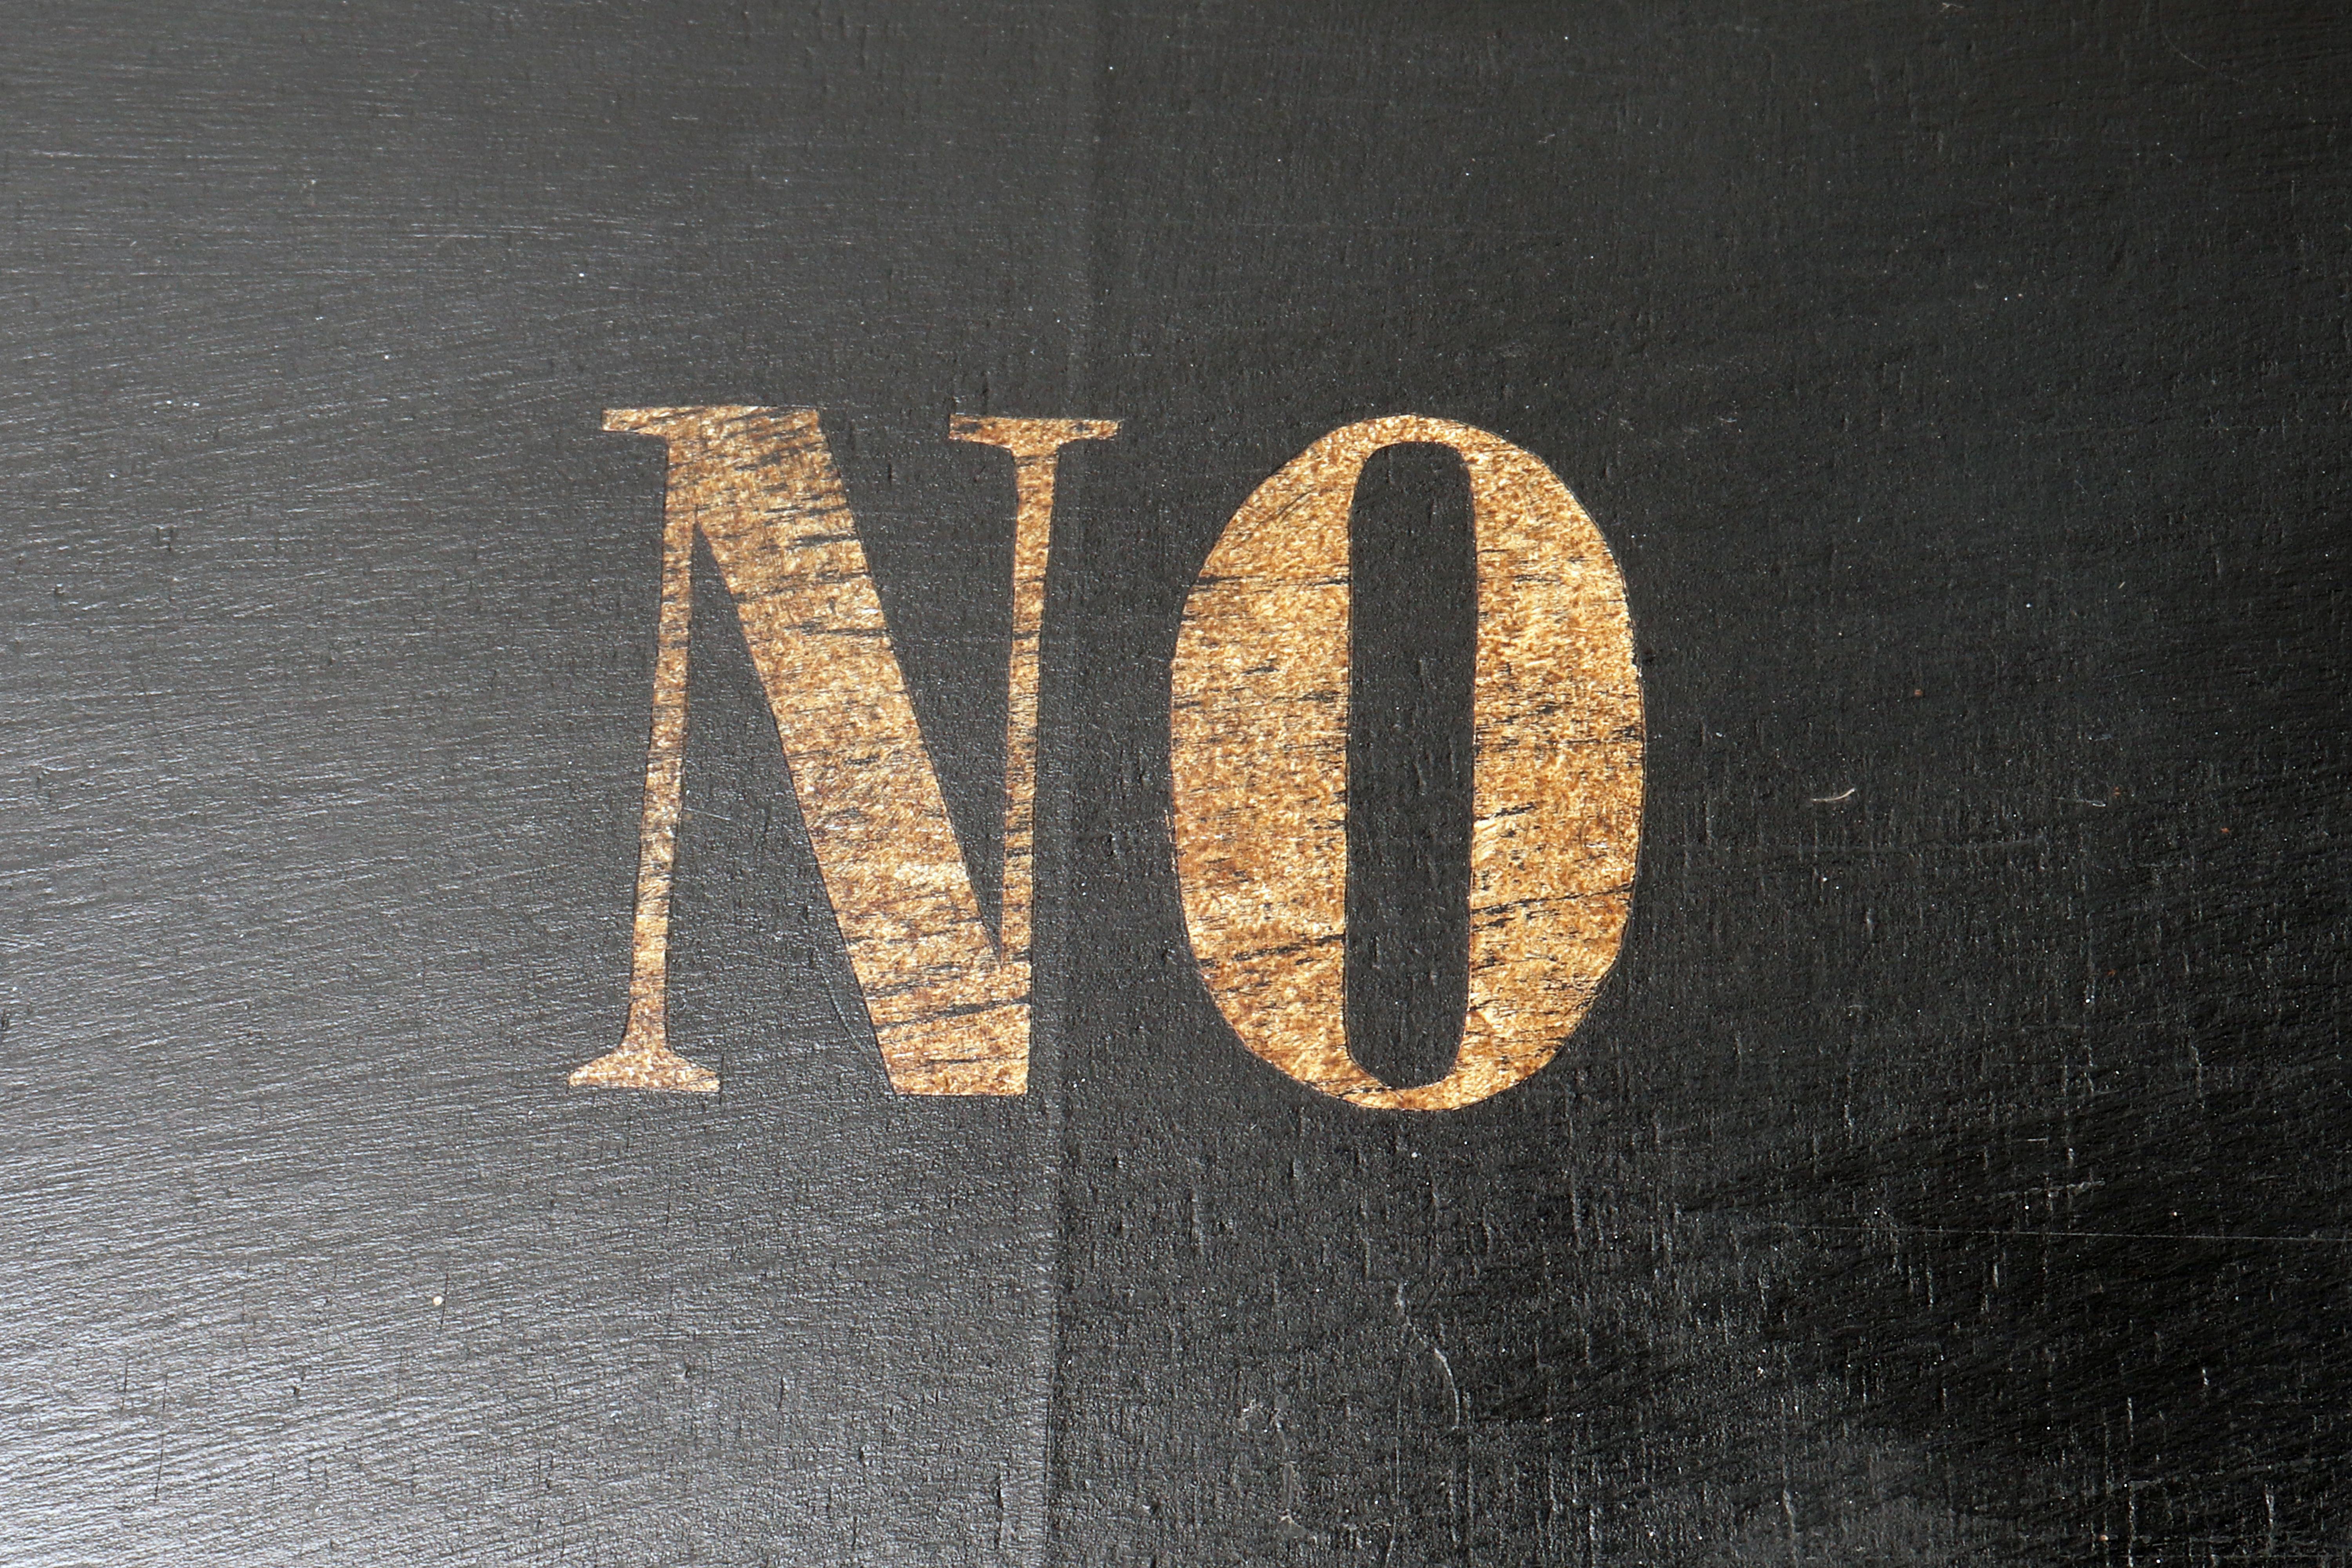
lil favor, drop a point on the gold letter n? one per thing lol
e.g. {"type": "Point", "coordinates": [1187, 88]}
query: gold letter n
{"type": "Point", "coordinates": [948, 998]}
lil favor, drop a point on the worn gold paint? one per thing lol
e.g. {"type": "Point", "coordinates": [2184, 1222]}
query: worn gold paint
{"type": "Point", "coordinates": [1036, 445]}
{"type": "Point", "coordinates": [645, 1060]}
{"type": "Point", "coordinates": [950, 1015]}
{"type": "Point", "coordinates": [1259, 749]}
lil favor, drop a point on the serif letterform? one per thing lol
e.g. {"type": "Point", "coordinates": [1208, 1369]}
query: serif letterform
{"type": "Point", "coordinates": [1258, 748]}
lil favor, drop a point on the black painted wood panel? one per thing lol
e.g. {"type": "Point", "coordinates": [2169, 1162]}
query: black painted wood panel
{"type": "Point", "coordinates": [1952, 1170]}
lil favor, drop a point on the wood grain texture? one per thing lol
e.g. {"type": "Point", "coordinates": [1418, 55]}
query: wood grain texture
{"type": "Point", "coordinates": [643, 1059]}
{"type": "Point", "coordinates": [327, 723]}
{"type": "Point", "coordinates": [1258, 752]}
{"type": "Point", "coordinates": [1956, 387]}
{"type": "Point", "coordinates": [1035, 446]}
{"type": "Point", "coordinates": [950, 1009]}
{"type": "Point", "coordinates": [1951, 1171]}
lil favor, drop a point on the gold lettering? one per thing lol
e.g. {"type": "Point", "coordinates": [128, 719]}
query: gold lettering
{"type": "Point", "coordinates": [1036, 445]}
{"type": "Point", "coordinates": [949, 1003]}
{"type": "Point", "coordinates": [1259, 744]}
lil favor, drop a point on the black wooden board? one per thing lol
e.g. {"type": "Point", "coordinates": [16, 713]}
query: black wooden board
{"type": "Point", "coordinates": [1953, 1169]}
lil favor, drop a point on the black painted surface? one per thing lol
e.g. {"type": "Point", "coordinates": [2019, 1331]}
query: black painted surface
{"type": "Point", "coordinates": [329, 651]}
{"type": "Point", "coordinates": [1951, 1171]}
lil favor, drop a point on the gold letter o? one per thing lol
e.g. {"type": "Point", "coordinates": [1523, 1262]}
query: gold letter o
{"type": "Point", "coordinates": [1258, 743]}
